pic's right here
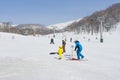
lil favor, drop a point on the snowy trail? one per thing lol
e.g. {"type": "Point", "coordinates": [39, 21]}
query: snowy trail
{"type": "Point", "coordinates": [27, 58]}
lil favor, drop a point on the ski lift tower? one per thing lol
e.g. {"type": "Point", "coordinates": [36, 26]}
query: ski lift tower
{"type": "Point", "coordinates": [101, 19]}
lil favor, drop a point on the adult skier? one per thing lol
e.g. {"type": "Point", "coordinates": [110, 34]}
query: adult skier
{"type": "Point", "coordinates": [78, 49]}
{"type": "Point", "coordinates": [63, 45]}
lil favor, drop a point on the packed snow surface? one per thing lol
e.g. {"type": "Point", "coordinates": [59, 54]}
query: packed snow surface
{"type": "Point", "coordinates": [28, 58]}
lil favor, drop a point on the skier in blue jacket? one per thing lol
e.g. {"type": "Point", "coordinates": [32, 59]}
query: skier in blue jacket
{"type": "Point", "coordinates": [78, 49]}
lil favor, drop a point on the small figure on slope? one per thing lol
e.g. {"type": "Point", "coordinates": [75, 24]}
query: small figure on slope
{"type": "Point", "coordinates": [63, 45]}
{"type": "Point", "coordinates": [60, 52]}
{"type": "Point", "coordinates": [51, 41]}
{"type": "Point", "coordinates": [70, 39]}
{"type": "Point", "coordinates": [78, 49]}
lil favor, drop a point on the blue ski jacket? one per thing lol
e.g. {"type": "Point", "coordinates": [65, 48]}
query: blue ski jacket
{"type": "Point", "coordinates": [78, 46]}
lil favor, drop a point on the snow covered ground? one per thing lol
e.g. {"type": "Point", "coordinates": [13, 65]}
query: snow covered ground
{"type": "Point", "coordinates": [28, 58]}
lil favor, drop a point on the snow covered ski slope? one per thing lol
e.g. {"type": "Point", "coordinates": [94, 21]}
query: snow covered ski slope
{"type": "Point", "coordinates": [28, 58]}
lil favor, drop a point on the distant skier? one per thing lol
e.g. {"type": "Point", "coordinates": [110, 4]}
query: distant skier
{"type": "Point", "coordinates": [52, 41]}
{"type": "Point", "coordinates": [70, 39]}
{"type": "Point", "coordinates": [54, 35]}
{"type": "Point", "coordinates": [78, 49]}
{"type": "Point", "coordinates": [13, 37]}
{"type": "Point", "coordinates": [60, 52]}
{"type": "Point", "coordinates": [63, 45]}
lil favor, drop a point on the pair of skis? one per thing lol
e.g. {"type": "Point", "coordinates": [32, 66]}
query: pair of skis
{"type": "Point", "coordinates": [75, 59]}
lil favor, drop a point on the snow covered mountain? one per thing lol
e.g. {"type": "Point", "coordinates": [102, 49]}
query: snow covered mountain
{"type": "Point", "coordinates": [110, 17]}
{"type": "Point", "coordinates": [63, 25]}
{"type": "Point", "coordinates": [33, 29]}
{"type": "Point", "coordinates": [30, 26]}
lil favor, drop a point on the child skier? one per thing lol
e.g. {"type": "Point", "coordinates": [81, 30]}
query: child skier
{"type": "Point", "coordinates": [60, 52]}
{"type": "Point", "coordinates": [78, 49]}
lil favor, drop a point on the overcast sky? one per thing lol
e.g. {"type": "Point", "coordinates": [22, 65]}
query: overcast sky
{"type": "Point", "coordinates": [48, 12]}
